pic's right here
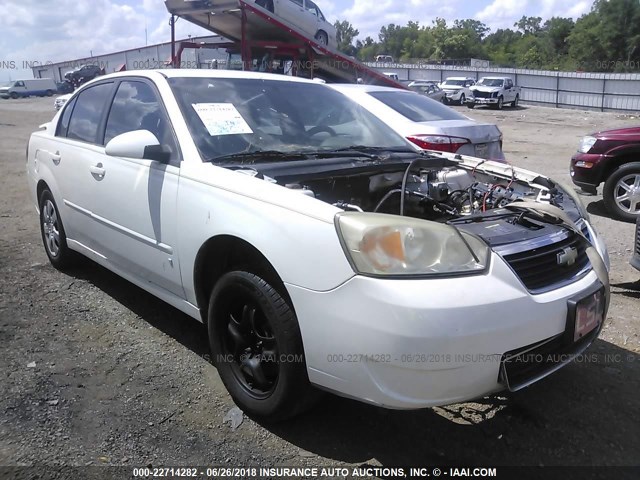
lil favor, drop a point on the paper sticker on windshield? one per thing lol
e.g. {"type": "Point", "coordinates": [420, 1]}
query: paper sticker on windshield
{"type": "Point", "coordinates": [221, 118]}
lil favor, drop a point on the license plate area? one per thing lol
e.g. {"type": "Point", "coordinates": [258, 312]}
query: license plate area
{"type": "Point", "coordinates": [482, 150]}
{"type": "Point", "coordinates": [585, 315]}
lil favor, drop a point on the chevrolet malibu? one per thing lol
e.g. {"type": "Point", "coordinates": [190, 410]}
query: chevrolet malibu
{"type": "Point", "coordinates": [319, 248]}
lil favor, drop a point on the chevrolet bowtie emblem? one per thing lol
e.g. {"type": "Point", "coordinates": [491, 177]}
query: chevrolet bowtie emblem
{"type": "Point", "coordinates": [567, 256]}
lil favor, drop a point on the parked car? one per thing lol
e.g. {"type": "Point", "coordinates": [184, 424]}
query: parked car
{"type": "Point", "coordinates": [457, 89]}
{"type": "Point", "coordinates": [83, 74]}
{"type": "Point", "coordinates": [392, 76]}
{"type": "Point", "coordinates": [315, 243]}
{"type": "Point", "coordinates": [64, 87]}
{"type": "Point", "coordinates": [61, 100]}
{"type": "Point", "coordinates": [495, 92]}
{"type": "Point", "coordinates": [427, 88]}
{"type": "Point", "coordinates": [34, 87]}
{"type": "Point", "coordinates": [635, 259]}
{"type": "Point", "coordinates": [428, 124]}
{"type": "Point", "coordinates": [384, 59]}
{"type": "Point", "coordinates": [611, 156]}
{"type": "Point", "coordinates": [305, 15]}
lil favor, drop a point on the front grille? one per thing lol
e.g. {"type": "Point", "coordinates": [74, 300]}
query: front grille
{"type": "Point", "coordinates": [539, 269]}
{"type": "Point", "coordinates": [482, 94]}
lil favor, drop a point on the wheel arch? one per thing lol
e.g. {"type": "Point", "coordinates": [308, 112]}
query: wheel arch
{"type": "Point", "coordinates": [221, 254]}
{"type": "Point", "coordinates": [620, 158]}
{"type": "Point", "coordinates": [41, 187]}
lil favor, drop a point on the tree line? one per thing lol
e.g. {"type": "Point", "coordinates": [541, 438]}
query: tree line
{"type": "Point", "coordinates": [607, 39]}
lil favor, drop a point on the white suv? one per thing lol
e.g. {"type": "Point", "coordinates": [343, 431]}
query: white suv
{"type": "Point", "coordinates": [456, 89]}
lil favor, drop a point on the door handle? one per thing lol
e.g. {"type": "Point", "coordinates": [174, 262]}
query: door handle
{"type": "Point", "coordinates": [97, 170]}
{"type": "Point", "coordinates": [55, 158]}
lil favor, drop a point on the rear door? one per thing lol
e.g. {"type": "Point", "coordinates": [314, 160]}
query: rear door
{"type": "Point", "coordinates": [134, 200]}
{"type": "Point", "coordinates": [71, 156]}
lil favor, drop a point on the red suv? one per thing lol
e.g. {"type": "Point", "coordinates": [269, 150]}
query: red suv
{"type": "Point", "coordinates": [612, 157]}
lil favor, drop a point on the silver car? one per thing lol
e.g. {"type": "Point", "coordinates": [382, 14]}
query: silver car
{"type": "Point", "coordinates": [305, 15]}
{"type": "Point", "coordinates": [426, 123]}
{"type": "Point", "coordinates": [428, 88]}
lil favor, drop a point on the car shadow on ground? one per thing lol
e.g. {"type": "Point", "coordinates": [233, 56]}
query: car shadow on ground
{"type": "Point", "coordinates": [169, 320]}
{"type": "Point", "coordinates": [555, 421]}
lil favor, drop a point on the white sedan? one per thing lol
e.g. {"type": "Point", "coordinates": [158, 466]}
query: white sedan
{"type": "Point", "coordinates": [318, 247]}
{"type": "Point", "coordinates": [427, 123]}
{"type": "Point", "coordinates": [305, 15]}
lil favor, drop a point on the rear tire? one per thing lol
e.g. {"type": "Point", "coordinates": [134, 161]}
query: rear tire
{"type": "Point", "coordinates": [257, 347]}
{"type": "Point", "coordinates": [471, 105]}
{"type": "Point", "coordinates": [53, 235]}
{"type": "Point", "coordinates": [49, 93]}
{"type": "Point", "coordinates": [621, 192]}
{"type": "Point", "coordinates": [322, 38]}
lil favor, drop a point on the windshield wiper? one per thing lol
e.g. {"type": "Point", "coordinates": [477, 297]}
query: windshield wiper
{"type": "Point", "coordinates": [258, 156]}
{"type": "Point", "coordinates": [368, 148]}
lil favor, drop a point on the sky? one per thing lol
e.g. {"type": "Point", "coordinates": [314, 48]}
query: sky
{"type": "Point", "coordinates": [58, 30]}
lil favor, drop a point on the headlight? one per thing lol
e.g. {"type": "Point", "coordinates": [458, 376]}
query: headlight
{"type": "Point", "coordinates": [586, 143]}
{"type": "Point", "coordinates": [568, 189]}
{"type": "Point", "coordinates": [381, 244]}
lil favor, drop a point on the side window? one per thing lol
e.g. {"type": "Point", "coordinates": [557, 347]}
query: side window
{"type": "Point", "coordinates": [297, 2]}
{"type": "Point", "coordinates": [19, 84]}
{"type": "Point", "coordinates": [311, 7]}
{"type": "Point", "coordinates": [136, 107]}
{"type": "Point", "coordinates": [63, 124]}
{"type": "Point", "coordinates": [509, 83]}
{"type": "Point", "coordinates": [87, 113]}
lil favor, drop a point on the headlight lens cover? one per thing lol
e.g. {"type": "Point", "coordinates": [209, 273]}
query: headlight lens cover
{"type": "Point", "coordinates": [382, 244]}
{"type": "Point", "coordinates": [586, 143]}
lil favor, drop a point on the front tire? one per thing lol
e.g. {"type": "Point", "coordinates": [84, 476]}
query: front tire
{"type": "Point", "coordinates": [500, 103]}
{"type": "Point", "coordinates": [53, 235]}
{"type": "Point", "coordinates": [621, 193]}
{"type": "Point", "coordinates": [471, 105]}
{"type": "Point", "coordinates": [463, 99]}
{"type": "Point", "coordinates": [257, 347]}
{"type": "Point", "coordinates": [14, 95]}
{"type": "Point", "coordinates": [514, 104]}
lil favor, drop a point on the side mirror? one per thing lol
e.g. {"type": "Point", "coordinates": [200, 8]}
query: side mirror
{"type": "Point", "coordinates": [141, 144]}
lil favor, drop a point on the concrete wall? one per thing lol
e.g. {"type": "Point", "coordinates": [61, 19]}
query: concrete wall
{"type": "Point", "coordinates": [601, 91]}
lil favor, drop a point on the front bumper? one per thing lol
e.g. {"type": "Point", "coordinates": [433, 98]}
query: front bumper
{"type": "Point", "coordinates": [587, 170]}
{"type": "Point", "coordinates": [420, 343]}
{"type": "Point", "coordinates": [453, 96]}
{"type": "Point", "coordinates": [483, 101]}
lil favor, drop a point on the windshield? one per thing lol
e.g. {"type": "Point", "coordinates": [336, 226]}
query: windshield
{"type": "Point", "coordinates": [417, 108]}
{"type": "Point", "coordinates": [491, 82]}
{"type": "Point", "coordinates": [241, 115]}
{"type": "Point", "coordinates": [454, 83]}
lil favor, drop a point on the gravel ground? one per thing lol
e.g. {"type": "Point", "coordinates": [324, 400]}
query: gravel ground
{"type": "Point", "coordinates": [97, 372]}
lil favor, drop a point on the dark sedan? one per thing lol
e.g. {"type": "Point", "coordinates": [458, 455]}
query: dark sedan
{"type": "Point", "coordinates": [612, 157]}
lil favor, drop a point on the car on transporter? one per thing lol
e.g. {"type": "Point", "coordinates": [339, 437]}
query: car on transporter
{"type": "Point", "coordinates": [321, 250]}
{"type": "Point", "coordinates": [304, 14]}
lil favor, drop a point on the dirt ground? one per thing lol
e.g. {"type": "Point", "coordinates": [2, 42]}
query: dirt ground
{"type": "Point", "coordinates": [97, 372]}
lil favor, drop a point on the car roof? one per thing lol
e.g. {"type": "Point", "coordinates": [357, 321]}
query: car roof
{"type": "Point", "coordinates": [205, 73]}
{"type": "Point", "coordinates": [350, 87]}
{"type": "Point", "coordinates": [458, 78]}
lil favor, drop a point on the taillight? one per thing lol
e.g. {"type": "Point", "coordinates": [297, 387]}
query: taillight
{"type": "Point", "coordinates": [442, 143]}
